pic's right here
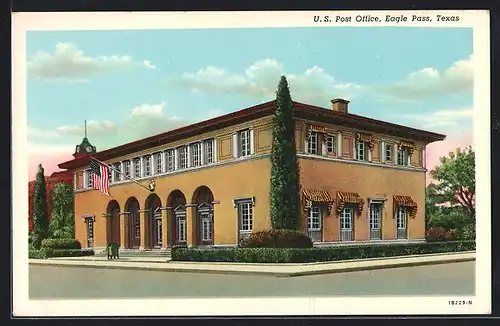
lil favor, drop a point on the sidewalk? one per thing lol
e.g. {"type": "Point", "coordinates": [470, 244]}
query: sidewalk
{"type": "Point", "coordinates": [278, 270]}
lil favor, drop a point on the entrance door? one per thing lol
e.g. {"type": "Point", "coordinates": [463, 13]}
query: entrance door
{"type": "Point", "coordinates": [401, 220]}
{"type": "Point", "coordinates": [134, 230]}
{"type": "Point", "coordinates": [157, 231]}
{"type": "Point", "coordinates": [180, 229]}
{"type": "Point", "coordinates": [375, 221]}
{"type": "Point", "coordinates": [346, 224]}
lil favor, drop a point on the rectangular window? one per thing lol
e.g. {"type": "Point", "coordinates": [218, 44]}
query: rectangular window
{"type": "Point", "coordinates": [110, 174]}
{"type": "Point", "coordinates": [346, 221]}
{"type": "Point", "coordinates": [313, 143]}
{"type": "Point", "coordinates": [388, 152]}
{"type": "Point", "coordinates": [206, 226]}
{"type": "Point", "coordinates": [181, 231]}
{"type": "Point", "coordinates": [314, 219]}
{"type": "Point", "coordinates": [116, 172]}
{"type": "Point", "coordinates": [330, 144]}
{"type": "Point", "coordinates": [403, 156]}
{"type": "Point", "coordinates": [196, 154]}
{"type": "Point", "coordinates": [170, 160]}
{"type": "Point", "coordinates": [244, 142]}
{"type": "Point", "coordinates": [147, 165]}
{"type": "Point", "coordinates": [361, 151]}
{"type": "Point", "coordinates": [375, 220]}
{"type": "Point", "coordinates": [209, 151]}
{"type": "Point", "coordinates": [401, 220]}
{"type": "Point", "coordinates": [183, 157]}
{"type": "Point", "coordinates": [137, 167]}
{"type": "Point", "coordinates": [90, 232]}
{"type": "Point", "coordinates": [245, 212]}
{"type": "Point", "coordinates": [159, 163]}
{"type": "Point", "coordinates": [88, 174]}
{"type": "Point", "coordinates": [126, 168]}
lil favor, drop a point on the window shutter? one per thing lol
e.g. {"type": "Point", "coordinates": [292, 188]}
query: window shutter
{"type": "Point", "coordinates": [424, 165]}
{"type": "Point", "coordinates": [85, 179]}
{"type": "Point", "coordinates": [369, 151]}
{"type": "Point", "coordinates": [252, 143]}
{"type": "Point", "coordinates": [382, 152]}
{"type": "Point", "coordinates": [395, 154]}
{"type": "Point", "coordinates": [306, 146]}
{"type": "Point", "coordinates": [409, 159]}
{"type": "Point", "coordinates": [164, 161]}
{"type": "Point", "coordinates": [153, 164]}
{"type": "Point", "coordinates": [339, 145]}
{"type": "Point", "coordinates": [235, 145]}
{"type": "Point", "coordinates": [202, 152]}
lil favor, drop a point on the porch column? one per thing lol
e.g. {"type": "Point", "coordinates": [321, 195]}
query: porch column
{"type": "Point", "coordinates": [190, 225]}
{"type": "Point", "coordinates": [123, 230]}
{"type": "Point", "coordinates": [143, 214]}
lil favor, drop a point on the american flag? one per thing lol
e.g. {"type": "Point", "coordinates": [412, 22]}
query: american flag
{"type": "Point", "coordinates": [100, 176]}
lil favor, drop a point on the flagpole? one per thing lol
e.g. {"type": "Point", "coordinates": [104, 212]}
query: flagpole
{"type": "Point", "coordinates": [129, 178]}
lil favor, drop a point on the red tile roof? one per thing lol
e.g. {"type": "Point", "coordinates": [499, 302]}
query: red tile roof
{"type": "Point", "coordinates": [265, 109]}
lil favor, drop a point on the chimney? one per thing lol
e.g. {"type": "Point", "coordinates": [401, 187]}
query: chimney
{"type": "Point", "coordinates": [340, 105]}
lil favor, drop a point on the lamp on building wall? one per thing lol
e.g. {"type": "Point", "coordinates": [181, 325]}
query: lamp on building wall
{"type": "Point", "coordinates": [152, 185]}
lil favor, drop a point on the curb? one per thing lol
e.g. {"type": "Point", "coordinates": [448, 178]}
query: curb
{"type": "Point", "coordinates": [336, 268]}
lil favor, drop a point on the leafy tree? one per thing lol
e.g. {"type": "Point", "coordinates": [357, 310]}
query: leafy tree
{"type": "Point", "coordinates": [285, 183]}
{"type": "Point", "coordinates": [456, 183]}
{"type": "Point", "coordinates": [40, 218]}
{"type": "Point", "coordinates": [62, 224]}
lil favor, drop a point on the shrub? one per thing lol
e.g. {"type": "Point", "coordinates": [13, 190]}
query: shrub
{"type": "Point", "coordinates": [45, 253]}
{"type": "Point", "coordinates": [61, 244]}
{"type": "Point", "coordinates": [436, 234]}
{"type": "Point", "coordinates": [467, 233]}
{"type": "Point", "coordinates": [307, 255]}
{"type": "Point", "coordinates": [277, 238]}
{"type": "Point", "coordinates": [451, 235]}
{"type": "Point", "coordinates": [37, 254]}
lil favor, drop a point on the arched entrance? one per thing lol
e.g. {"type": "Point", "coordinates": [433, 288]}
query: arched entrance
{"type": "Point", "coordinates": [204, 215]}
{"type": "Point", "coordinates": [113, 222]}
{"type": "Point", "coordinates": [134, 223]}
{"type": "Point", "coordinates": [176, 217]}
{"type": "Point", "coordinates": [154, 221]}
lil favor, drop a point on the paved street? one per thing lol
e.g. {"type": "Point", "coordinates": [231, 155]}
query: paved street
{"type": "Point", "coordinates": [48, 282]}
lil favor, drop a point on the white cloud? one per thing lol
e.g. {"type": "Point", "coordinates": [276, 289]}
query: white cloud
{"type": "Point", "coordinates": [441, 119]}
{"type": "Point", "coordinates": [260, 79]}
{"type": "Point", "coordinates": [140, 122]}
{"type": "Point", "coordinates": [69, 63]}
{"type": "Point", "coordinates": [429, 83]}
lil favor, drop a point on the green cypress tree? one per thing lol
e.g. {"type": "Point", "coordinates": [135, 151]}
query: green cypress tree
{"type": "Point", "coordinates": [40, 217]}
{"type": "Point", "coordinates": [285, 183]}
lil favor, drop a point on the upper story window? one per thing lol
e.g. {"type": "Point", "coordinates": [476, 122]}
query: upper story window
{"type": "Point", "coordinates": [116, 172]}
{"type": "Point", "coordinates": [89, 178]}
{"type": "Point", "coordinates": [403, 156]}
{"type": "Point", "coordinates": [361, 151]}
{"type": "Point", "coordinates": [388, 152]}
{"type": "Point", "coordinates": [183, 157]}
{"type": "Point", "coordinates": [196, 154]}
{"type": "Point", "coordinates": [170, 157]}
{"type": "Point", "coordinates": [137, 168]}
{"type": "Point", "coordinates": [312, 147]}
{"type": "Point", "coordinates": [158, 163]}
{"type": "Point", "coordinates": [126, 168]}
{"type": "Point", "coordinates": [147, 165]}
{"type": "Point", "coordinates": [244, 142]}
{"type": "Point", "coordinates": [330, 144]}
{"type": "Point", "coordinates": [208, 151]}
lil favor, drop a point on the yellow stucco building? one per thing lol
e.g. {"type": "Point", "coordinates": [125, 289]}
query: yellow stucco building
{"type": "Point", "coordinates": [361, 179]}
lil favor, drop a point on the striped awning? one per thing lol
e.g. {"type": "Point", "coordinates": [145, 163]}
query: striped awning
{"type": "Point", "coordinates": [344, 198]}
{"type": "Point", "coordinates": [316, 195]}
{"type": "Point", "coordinates": [406, 201]}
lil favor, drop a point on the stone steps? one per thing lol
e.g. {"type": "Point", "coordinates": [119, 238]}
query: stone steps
{"type": "Point", "coordinates": [142, 253]}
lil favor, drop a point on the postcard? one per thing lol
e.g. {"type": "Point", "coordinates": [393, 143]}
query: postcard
{"type": "Point", "coordinates": [274, 163]}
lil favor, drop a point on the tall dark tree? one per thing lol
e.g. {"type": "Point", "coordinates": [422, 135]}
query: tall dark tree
{"type": "Point", "coordinates": [40, 217]}
{"type": "Point", "coordinates": [285, 183]}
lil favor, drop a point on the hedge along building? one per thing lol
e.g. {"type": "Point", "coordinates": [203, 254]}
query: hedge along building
{"type": "Point", "coordinates": [361, 179]}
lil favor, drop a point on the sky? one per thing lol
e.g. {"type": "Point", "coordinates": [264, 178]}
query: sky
{"type": "Point", "coordinates": [132, 84]}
